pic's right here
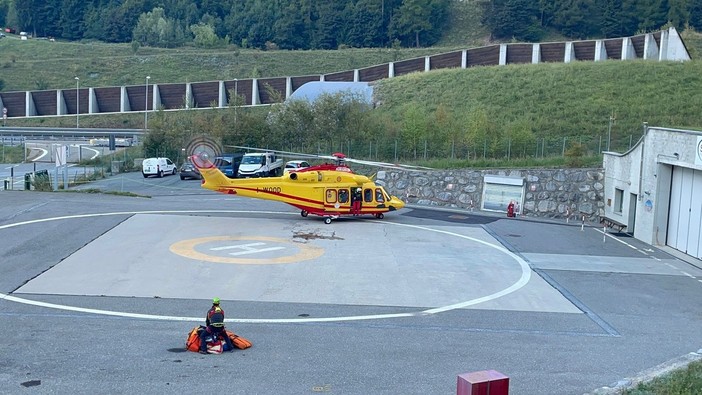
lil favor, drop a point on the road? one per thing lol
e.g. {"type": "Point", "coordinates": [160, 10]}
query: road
{"type": "Point", "coordinates": [43, 157]}
{"type": "Point", "coordinates": [100, 290]}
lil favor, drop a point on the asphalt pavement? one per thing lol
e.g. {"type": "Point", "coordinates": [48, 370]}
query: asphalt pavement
{"type": "Point", "coordinates": [99, 290]}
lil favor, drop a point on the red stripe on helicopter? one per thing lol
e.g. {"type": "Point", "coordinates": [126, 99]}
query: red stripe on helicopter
{"type": "Point", "coordinates": [232, 191]}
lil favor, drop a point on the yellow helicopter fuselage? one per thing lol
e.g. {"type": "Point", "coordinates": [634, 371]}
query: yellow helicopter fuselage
{"type": "Point", "coordinates": [324, 192]}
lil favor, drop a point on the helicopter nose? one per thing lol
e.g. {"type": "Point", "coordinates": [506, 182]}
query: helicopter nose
{"type": "Point", "coordinates": [395, 204]}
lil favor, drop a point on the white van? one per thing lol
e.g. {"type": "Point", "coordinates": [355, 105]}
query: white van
{"type": "Point", "coordinates": [158, 167]}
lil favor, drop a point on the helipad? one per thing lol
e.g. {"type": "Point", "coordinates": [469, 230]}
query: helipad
{"type": "Point", "coordinates": [365, 263]}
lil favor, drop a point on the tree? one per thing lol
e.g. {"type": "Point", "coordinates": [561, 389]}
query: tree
{"type": "Point", "coordinates": [414, 129]}
{"type": "Point", "coordinates": [327, 34]}
{"type": "Point", "coordinates": [12, 19]}
{"type": "Point", "coordinates": [25, 13]}
{"type": "Point", "coordinates": [612, 14]}
{"type": "Point", "coordinates": [679, 13]}
{"type": "Point", "coordinates": [576, 18]}
{"type": "Point", "coordinates": [517, 19]}
{"type": "Point", "coordinates": [71, 19]}
{"type": "Point", "coordinates": [204, 35]}
{"type": "Point", "coordinates": [154, 29]}
{"type": "Point", "coordinates": [443, 132]}
{"type": "Point", "coordinates": [411, 20]}
{"type": "Point", "coordinates": [519, 137]}
{"type": "Point", "coordinates": [289, 29]}
{"type": "Point", "coordinates": [364, 25]}
{"type": "Point", "coordinates": [695, 14]}
{"type": "Point", "coordinates": [653, 14]}
{"type": "Point", "coordinates": [480, 129]}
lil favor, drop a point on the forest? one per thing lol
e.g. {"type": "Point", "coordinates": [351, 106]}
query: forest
{"type": "Point", "coordinates": [333, 24]}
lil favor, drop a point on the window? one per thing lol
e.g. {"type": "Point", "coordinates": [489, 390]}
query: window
{"type": "Point", "coordinates": [331, 195]}
{"type": "Point", "coordinates": [379, 196]}
{"type": "Point", "coordinates": [618, 200]}
{"type": "Point", "coordinates": [368, 195]}
{"type": "Point", "coordinates": [343, 195]}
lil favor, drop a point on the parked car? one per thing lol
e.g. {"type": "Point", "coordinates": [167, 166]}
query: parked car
{"type": "Point", "coordinates": [295, 165]}
{"type": "Point", "coordinates": [158, 167]}
{"type": "Point", "coordinates": [228, 164]}
{"type": "Point", "coordinates": [188, 170]}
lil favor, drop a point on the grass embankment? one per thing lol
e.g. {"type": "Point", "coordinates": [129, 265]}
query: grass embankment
{"type": "Point", "coordinates": [559, 100]}
{"type": "Point", "coordinates": [686, 381]}
{"type": "Point", "coordinates": [42, 64]}
{"type": "Point", "coordinates": [9, 154]}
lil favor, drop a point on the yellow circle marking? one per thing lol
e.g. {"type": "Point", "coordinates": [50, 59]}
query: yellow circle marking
{"type": "Point", "coordinates": [186, 248]}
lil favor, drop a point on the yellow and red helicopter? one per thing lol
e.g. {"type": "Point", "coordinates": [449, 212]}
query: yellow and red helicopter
{"type": "Point", "coordinates": [328, 190]}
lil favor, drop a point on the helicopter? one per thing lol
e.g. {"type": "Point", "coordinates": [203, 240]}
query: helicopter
{"type": "Point", "coordinates": [327, 190]}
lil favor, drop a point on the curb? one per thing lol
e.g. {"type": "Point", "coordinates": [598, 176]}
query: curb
{"type": "Point", "coordinates": [648, 375]}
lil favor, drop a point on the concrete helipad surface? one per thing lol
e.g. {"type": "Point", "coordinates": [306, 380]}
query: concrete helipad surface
{"type": "Point", "coordinates": [365, 263]}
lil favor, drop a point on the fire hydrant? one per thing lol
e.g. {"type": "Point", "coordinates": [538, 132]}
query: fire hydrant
{"type": "Point", "coordinates": [510, 209]}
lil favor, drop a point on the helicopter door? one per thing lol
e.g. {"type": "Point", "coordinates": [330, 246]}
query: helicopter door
{"type": "Point", "coordinates": [356, 201]}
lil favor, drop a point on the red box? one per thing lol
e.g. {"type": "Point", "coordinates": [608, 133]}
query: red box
{"type": "Point", "coordinates": [485, 382]}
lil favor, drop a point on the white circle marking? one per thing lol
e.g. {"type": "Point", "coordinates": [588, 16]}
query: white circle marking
{"type": "Point", "coordinates": [523, 280]}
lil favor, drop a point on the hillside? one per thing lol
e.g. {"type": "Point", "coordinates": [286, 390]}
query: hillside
{"type": "Point", "coordinates": [42, 64]}
{"type": "Point", "coordinates": [515, 110]}
{"type": "Point", "coordinates": [555, 100]}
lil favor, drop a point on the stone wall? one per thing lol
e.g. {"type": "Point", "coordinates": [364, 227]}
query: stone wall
{"type": "Point", "coordinates": [549, 193]}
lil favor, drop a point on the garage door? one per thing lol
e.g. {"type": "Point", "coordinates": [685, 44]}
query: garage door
{"type": "Point", "coordinates": [685, 216]}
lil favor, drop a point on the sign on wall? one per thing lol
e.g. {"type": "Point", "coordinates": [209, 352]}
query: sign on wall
{"type": "Point", "coordinates": [499, 191]}
{"type": "Point", "coordinates": [698, 151]}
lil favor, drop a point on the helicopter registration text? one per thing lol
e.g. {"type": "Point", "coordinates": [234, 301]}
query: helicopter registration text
{"type": "Point", "coordinates": [271, 189]}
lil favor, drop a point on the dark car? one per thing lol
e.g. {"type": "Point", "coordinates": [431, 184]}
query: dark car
{"type": "Point", "coordinates": [229, 164]}
{"type": "Point", "coordinates": [188, 170]}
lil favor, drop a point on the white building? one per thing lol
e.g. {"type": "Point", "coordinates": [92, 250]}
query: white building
{"type": "Point", "coordinates": [655, 189]}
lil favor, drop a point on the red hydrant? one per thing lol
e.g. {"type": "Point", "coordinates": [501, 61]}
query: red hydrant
{"type": "Point", "coordinates": [510, 209]}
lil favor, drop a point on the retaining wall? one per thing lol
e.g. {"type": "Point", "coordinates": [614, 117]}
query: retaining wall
{"type": "Point", "coordinates": [548, 193]}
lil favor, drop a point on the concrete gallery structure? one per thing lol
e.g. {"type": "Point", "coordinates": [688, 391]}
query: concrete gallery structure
{"type": "Point", "coordinates": [654, 191]}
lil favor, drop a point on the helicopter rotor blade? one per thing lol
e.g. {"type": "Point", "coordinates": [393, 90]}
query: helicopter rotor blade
{"type": "Point", "coordinates": [335, 158]}
{"type": "Point", "coordinates": [388, 165]}
{"type": "Point", "coordinates": [278, 152]}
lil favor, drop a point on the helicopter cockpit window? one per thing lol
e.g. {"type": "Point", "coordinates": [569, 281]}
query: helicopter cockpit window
{"type": "Point", "coordinates": [331, 195]}
{"type": "Point", "coordinates": [343, 195]}
{"type": "Point", "coordinates": [379, 197]}
{"type": "Point", "coordinates": [368, 195]}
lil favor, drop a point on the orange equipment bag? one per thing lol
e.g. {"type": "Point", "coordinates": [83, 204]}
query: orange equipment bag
{"type": "Point", "coordinates": [238, 341]}
{"type": "Point", "coordinates": [193, 341]}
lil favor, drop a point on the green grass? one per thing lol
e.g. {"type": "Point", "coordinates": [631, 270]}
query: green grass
{"type": "Point", "coordinates": [686, 381]}
{"type": "Point", "coordinates": [41, 64]}
{"type": "Point", "coordinates": [10, 154]}
{"type": "Point", "coordinates": [559, 100]}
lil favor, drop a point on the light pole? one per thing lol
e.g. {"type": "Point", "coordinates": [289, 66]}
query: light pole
{"type": "Point", "coordinates": [146, 105]}
{"type": "Point", "coordinates": [77, 102]}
